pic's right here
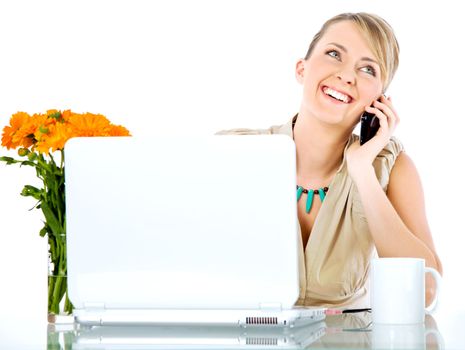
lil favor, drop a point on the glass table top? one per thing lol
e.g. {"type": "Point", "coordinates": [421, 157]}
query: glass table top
{"type": "Point", "coordinates": [348, 331]}
{"type": "Point", "coordinates": [444, 330]}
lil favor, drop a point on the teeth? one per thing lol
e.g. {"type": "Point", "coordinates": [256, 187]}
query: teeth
{"type": "Point", "coordinates": [335, 94]}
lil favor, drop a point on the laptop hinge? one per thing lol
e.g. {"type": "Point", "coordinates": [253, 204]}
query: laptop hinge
{"type": "Point", "coordinates": [270, 306]}
{"type": "Point", "coordinates": [94, 306]}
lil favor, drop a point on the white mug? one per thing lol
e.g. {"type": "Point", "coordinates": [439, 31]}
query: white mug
{"type": "Point", "coordinates": [398, 290]}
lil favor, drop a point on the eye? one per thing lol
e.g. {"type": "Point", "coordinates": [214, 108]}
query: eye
{"type": "Point", "coordinates": [369, 70]}
{"type": "Point", "coordinates": [334, 53]}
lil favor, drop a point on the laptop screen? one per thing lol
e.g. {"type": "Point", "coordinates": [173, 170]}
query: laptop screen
{"type": "Point", "coordinates": [206, 222]}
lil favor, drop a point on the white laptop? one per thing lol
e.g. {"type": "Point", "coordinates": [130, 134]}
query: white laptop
{"type": "Point", "coordinates": [183, 231]}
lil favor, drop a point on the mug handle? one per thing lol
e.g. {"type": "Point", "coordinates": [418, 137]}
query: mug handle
{"type": "Point", "coordinates": [437, 279]}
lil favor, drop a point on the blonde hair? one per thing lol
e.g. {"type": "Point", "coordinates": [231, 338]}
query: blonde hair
{"type": "Point", "coordinates": [379, 36]}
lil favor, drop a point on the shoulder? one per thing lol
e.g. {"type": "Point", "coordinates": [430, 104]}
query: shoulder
{"type": "Point", "coordinates": [392, 150]}
{"type": "Point", "coordinates": [388, 155]}
{"type": "Point", "coordinates": [404, 171]}
{"type": "Point", "coordinates": [401, 169]}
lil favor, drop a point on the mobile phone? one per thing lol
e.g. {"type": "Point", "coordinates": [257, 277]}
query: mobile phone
{"type": "Point", "coordinates": [369, 125]}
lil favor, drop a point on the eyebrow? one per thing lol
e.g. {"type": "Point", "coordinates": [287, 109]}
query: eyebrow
{"type": "Point", "coordinates": [345, 50]}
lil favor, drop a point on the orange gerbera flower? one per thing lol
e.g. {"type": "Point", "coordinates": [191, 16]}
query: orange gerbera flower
{"type": "Point", "coordinates": [118, 130]}
{"type": "Point", "coordinates": [66, 114]}
{"type": "Point", "coordinates": [49, 132]}
{"type": "Point", "coordinates": [17, 120]}
{"type": "Point", "coordinates": [42, 123]}
{"type": "Point", "coordinates": [89, 124]}
{"type": "Point", "coordinates": [55, 139]}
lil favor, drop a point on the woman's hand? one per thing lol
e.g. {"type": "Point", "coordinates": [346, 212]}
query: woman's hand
{"type": "Point", "coordinates": [360, 158]}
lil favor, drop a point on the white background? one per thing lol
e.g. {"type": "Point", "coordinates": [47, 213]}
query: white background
{"type": "Point", "coordinates": [182, 67]}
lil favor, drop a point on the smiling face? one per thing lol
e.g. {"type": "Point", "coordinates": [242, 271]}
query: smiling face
{"type": "Point", "coordinates": [340, 78]}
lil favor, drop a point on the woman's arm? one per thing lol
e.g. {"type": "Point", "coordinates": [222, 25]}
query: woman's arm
{"type": "Point", "coordinates": [397, 221]}
{"type": "Point", "coordinates": [406, 196]}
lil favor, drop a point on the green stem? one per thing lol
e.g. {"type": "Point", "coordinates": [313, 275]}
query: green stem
{"type": "Point", "coordinates": [51, 288]}
{"type": "Point", "coordinates": [52, 201]}
{"type": "Point", "coordinates": [56, 297]}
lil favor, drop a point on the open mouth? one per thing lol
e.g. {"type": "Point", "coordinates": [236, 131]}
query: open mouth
{"type": "Point", "coordinates": [339, 96]}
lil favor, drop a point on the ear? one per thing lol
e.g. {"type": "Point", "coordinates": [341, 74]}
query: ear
{"type": "Point", "coordinates": [299, 70]}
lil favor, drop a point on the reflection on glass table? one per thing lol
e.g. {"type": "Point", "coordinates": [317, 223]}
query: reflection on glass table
{"type": "Point", "coordinates": [354, 331]}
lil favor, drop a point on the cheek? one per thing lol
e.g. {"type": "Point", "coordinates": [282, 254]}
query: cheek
{"type": "Point", "coordinates": [369, 92]}
{"type": "Point", "coordinates": [315, 73]}
{"type": "Point", "coordinates": [316, 67]}
{"type": "Point", "coordinates": [309, 84]}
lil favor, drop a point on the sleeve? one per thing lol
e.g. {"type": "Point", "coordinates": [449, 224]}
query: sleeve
{"type": "Point", "coordinates": [385, 161]}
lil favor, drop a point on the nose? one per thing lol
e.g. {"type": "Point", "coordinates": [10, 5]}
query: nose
{"type": "Point", "coordinates": [346, 76]}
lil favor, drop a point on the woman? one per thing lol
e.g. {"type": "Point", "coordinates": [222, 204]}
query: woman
{"type": "Point", "coordinates": [372, 195]}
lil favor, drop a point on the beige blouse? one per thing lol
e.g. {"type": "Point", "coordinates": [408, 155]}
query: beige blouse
{"type": "Point", "coordinates": [334, 266]}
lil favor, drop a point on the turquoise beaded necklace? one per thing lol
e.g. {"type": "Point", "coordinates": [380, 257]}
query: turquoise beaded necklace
{"type": "Point", "coordinates": [310, 193]}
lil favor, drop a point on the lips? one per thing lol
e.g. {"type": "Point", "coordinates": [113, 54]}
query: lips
{"type": "Point", "coordinates": [337, 95]}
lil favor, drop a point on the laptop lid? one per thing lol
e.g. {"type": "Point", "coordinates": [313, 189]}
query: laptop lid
{"type": "Point", "coordinates": [181, 223]}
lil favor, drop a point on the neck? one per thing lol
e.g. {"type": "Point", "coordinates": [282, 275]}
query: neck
{"type": "Point", "coordinates": [320, 150]}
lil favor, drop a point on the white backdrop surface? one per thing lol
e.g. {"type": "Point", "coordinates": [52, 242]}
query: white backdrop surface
{"type": "Point", "coordinates": [182, 67]}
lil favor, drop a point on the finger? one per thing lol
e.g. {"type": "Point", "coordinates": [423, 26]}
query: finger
{"type": "Point", "coordinates": [383, 119]}
{"type": "Point", "coordinates": [393, 119]}
{"type": "Point", "coordinates": [388, 101]}
{"type": "Point", "coordinates": [387, 125]}
{"type": "Point", "coordinates": [385, 107]}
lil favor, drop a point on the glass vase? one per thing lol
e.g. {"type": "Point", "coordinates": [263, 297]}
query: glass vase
{"type": "Point", "coordinates": [59, 307]}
